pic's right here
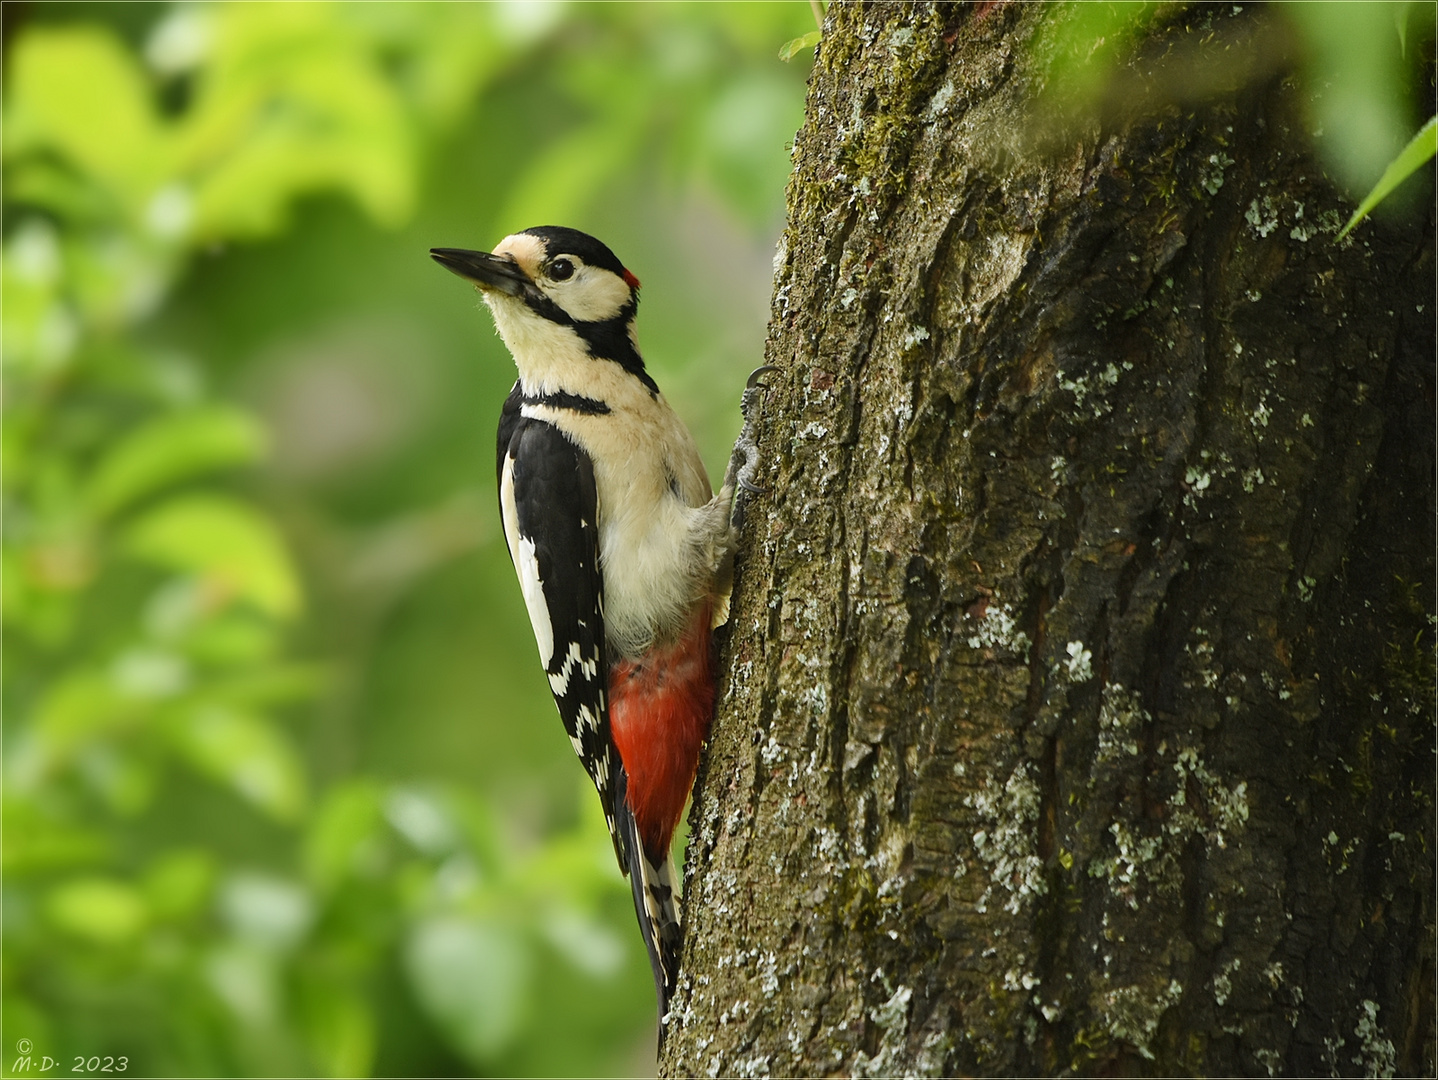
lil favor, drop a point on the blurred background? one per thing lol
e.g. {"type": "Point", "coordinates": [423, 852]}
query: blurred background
{"type": "Point", "coordinates": [284, 790]}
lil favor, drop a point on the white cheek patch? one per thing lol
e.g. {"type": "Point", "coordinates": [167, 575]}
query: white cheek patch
{"type": "Point", "coordinates": [591, 295]}
{"type": "Point", "coordinates": [526, 566]}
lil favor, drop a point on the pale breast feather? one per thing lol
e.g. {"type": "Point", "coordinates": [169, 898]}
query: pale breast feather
{"type": "Point", "coordinates": [548, 505]}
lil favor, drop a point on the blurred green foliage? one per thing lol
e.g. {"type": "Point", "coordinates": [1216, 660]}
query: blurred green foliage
{"type": "Point", "coordinates": [1366, 68]}
{"type": "Point", "coordinates": [1419, 151]}
{"type": "Point", "coordinates": [284, 792]}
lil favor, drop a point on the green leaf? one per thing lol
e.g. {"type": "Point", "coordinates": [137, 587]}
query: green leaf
{"type": "Point", "coordinates": [1419, 150]}
{"type": "Point", "coordinates": [793, 48]}
{"type": "Point", "coordinates": [345, 827]}
{"type": "Point", "coordinates": [1082, 45]}
{"type": "Point", "coordinates": [248, 754]}
{"type": "Point", "coordinates": [245, 977]}
{"type": "Point", "coordinates": [36, 843]}
{"type": "Point", "coordinates": [473, 979]}
{"type": "Point", "coordinates": [575, 865]}
{"type": "Point", "coordinates": [266, 910]}
{"type": "Point", "coordinates": [124, 781]}
{"type": "Point", "coordinates": [79, 91]}
{"type": "Point", "coordinates": [228, 543]}
{"type": "Point", "coordinates": [171, 448]}
{"type": "Point", "coordinates": [57, 188]}
{"type": "Point", "coordinates": [1356, 85]}
{"type": "Point", "coordinates": [587, 942]}
{"type": "Point", "coordinates": [40, 330]}
{"type": "Point", "coordinates": [744, 130]}
{"type": "Point", "coordinates": [233, 638]}
{"type": "Point", "coordinates": [423, 819]}
{"type": "Point", "coordinates": [267, 127]}
{"type": "Point", "coordinates": [100, 910]}
{"type": "Point", "coordinates": [274, 684]}
{"type": "Point", "coordinates": [86, 705]}
{"type": "Point", "coordinates": [341, 1029]}
{"type": "Point", "coordinates": [179, 883]}
{"type": "Point", "coordinates": [566, 173]}
{"type": "Point", "coordinates": [460, 49]}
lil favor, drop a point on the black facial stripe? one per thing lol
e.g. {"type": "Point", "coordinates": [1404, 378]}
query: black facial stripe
{"type": "Point", "coordinates": [610, 340]}
{"type": "Point", "coordinates": [607, 339]}
{"type": "Point", "coordinates": [561, 400]}
{"type": "Point", "coordinates": [544, 307]}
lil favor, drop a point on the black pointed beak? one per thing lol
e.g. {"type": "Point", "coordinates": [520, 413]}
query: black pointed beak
{"type": "Point", "coordinates": [485, 270]}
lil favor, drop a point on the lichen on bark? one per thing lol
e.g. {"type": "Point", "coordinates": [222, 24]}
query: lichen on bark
{"type": "Point", "coordinates": [1077, 706]}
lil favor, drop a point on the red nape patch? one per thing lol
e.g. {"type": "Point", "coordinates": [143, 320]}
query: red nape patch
{"type": "Point", "coordinates": [631, 280]}
{"type": "Point", "coordinates": [659, 712]}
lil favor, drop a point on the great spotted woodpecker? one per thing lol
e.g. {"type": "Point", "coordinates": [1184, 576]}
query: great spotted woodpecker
{"type": "Point", "coordinates": [623, 553]}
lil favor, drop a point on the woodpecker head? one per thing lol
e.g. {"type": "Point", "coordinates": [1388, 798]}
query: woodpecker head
{"type": "Point", "coordinates": [553, 291]}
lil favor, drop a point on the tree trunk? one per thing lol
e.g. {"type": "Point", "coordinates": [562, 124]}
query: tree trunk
{"type": "Point", "coordinates": [1078, 709]}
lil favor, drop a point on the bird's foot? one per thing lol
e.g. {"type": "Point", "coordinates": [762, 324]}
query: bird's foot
{"type": "Point", "coordinates": [744, 461]}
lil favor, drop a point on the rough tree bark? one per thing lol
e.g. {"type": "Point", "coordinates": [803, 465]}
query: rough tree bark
{"type": "Point", "coordinates": [1078, 712]}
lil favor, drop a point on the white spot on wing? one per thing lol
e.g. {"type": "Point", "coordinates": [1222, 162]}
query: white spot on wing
{"type": "Point", "coordinates": [590, 669]}
{"type": "Point", "coordinates": [526, 565]}
{"type": "Point", "coordinates": [507, 509]}
{"type": "Point", "coordinates": [559, 680]}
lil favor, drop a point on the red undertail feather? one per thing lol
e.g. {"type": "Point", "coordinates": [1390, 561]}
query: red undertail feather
{"type": "Point", "coordinates": [659, 712]}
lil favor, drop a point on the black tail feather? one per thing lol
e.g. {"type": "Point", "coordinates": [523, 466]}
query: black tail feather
{"type": "Point", "coordinates": [652, 888]}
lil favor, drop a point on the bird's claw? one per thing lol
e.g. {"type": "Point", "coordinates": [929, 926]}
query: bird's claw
{"type": "Point", "coordinates": [756, 377]}
{"type": "Point", "coordinates": [754, 388]}
{"type": "Point", "coordinates": [745, 459]}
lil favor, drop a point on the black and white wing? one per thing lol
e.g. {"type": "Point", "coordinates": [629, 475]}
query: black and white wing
{"type": "Point", "coordinates": [548, 505]}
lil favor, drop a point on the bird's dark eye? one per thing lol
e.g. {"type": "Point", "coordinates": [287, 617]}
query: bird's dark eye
{"type": "Point", "coordinates": [561, 270]}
